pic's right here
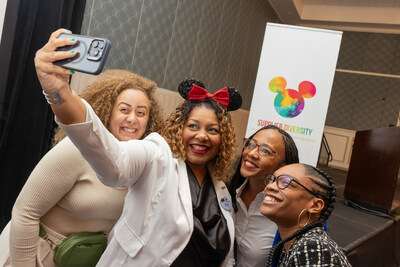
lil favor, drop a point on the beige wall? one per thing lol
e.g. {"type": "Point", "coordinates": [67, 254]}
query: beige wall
{"type": "Point", "coordinates": [340, 142]}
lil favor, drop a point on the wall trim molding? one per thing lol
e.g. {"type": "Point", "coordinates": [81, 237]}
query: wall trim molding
{"type": "Point", "coordinates": [340, 142]}
{"type": "Point", "coordinates": [370, 73]}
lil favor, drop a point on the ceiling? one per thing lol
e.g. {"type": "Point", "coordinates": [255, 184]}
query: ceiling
{"type": "Point", "coordinates": [381, 16]}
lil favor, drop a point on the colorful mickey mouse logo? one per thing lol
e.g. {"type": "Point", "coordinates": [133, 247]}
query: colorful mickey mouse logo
{"type": "Point", "coordinates": [289, 103]}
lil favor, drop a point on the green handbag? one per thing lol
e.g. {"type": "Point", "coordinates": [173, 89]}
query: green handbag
{"type": "Point", "coordinates": [82, 249]}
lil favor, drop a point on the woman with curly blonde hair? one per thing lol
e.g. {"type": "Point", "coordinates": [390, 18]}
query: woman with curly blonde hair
{"type": "Point", "coordinates": [177, 211]}
{"type": "Point", "coordinates": [63, 195]}
{"type": "Point", "coordinates": [102, 93]}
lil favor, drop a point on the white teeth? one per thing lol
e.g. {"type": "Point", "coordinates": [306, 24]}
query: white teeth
{"type": "Point", "coordinates": [271, 199]}
{"type": "Point", "coordinates": [199, 147]}
{"type": "Point", "coordinates": [129, 130]}
{"type": "Point", "coordinates": [249, 164]}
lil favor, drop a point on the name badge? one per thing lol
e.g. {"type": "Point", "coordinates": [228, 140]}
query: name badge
{"type": "Point", "coordinates": [226, 203]}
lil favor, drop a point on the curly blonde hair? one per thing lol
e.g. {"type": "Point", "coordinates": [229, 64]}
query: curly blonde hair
{"type": "Point", "coordinates": [173, 135]}
{"type": "Point", "coordinates": [102, 94]}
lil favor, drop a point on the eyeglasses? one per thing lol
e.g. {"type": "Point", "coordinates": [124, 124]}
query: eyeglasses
{"type": "Point", "coordinates": [263, 150]}
{"type": "Point", "coordinates": [284, 180]}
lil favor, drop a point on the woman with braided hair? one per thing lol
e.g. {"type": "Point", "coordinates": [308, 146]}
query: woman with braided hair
{"type": "Point", "coordinates": [265, 151]}
{"type": "Point", "coordinates": [177, 211]}
{"type": "Point", "coordinates": [299, 198]}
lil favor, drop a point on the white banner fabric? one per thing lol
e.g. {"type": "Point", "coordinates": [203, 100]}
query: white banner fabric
{"type": "Point", "coordinates": [294, 83]}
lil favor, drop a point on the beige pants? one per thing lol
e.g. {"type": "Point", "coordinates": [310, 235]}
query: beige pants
{"type": "Point", "coordinates": [44, 255]}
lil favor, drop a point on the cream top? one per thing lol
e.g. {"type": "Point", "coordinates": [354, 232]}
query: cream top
{"type": "Point", "coordinates": [63, 193]}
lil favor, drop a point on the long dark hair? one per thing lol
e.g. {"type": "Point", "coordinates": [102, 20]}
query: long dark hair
{"type": "Point", "coordinates": [326, 188]}
{"type": "Point", "coordinates": [291, 156]}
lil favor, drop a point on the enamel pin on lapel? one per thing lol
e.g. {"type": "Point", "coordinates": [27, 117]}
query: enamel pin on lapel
{"type": "Point", "coordinates": [226, 203]}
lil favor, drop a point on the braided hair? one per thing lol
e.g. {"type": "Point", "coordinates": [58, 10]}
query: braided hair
{"type": "Point", "coordinates": [291, 156]}
{"type": "Point", "coordinates": [326, 188]}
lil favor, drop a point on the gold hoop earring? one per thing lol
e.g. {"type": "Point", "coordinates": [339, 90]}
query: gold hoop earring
{"type": "Point", "coordinates": [298, 218]}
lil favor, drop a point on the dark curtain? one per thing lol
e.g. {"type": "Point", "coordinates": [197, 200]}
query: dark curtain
{"type": "Point", "coordinates": [27, 122]}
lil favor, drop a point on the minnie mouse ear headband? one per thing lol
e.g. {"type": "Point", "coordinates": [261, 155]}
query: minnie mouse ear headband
{"type": "Point", "coordinates": [193, 89]}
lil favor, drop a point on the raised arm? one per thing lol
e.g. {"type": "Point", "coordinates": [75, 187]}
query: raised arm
{"type": "Point", "coordinates": [115, 163]}
{"type": "Point", "coordinates": [66, 104]}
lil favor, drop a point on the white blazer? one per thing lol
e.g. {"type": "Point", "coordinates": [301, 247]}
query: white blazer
{"type": "Point", "coordinates": [157, 220]}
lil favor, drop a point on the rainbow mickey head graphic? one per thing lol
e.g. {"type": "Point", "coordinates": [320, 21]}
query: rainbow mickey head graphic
{"type": "Point", "coordinates": [289, 103]}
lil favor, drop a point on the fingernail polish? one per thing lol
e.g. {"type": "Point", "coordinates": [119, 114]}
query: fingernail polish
{"type": "Point", "coordinates": [73, 39]}
{"type": "Point", "coordinates": [72, 51]}
{"type": "Point", "coordinates": [71, 71]}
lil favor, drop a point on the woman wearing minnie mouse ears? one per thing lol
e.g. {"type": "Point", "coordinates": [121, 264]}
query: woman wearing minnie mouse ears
{"type": "Point", "coordinates": [178, 211]}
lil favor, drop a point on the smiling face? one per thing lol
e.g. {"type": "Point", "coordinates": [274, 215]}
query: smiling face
{"type": "Point", "coordinates": [283, 206]}
{"type": "Point", "coordinates": [254, 166]}
{"type": "Point", "coordinates": [130, 115]}
{"type": "Point", "coordinates": [201, 137]}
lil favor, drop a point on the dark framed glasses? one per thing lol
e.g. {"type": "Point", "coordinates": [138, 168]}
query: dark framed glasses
{"type": "Point", "coordinates": [263, 151]}
{"type": "Point", "coordinates": [284, 180]}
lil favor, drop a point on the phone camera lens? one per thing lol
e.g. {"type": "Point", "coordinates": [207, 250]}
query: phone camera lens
{"type": "Point", "coordinates": [101, 44]}
{"type": "Point", "coordinates": [95, 44]}
{"type": "Point", "coordinates": [94, 52]}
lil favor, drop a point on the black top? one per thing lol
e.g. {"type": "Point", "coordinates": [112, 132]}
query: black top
{"type": "Point", "coordinates": [210, 241]}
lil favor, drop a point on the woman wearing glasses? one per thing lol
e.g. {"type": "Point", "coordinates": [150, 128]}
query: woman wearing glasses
{"type": "Point", "coordinates": [299, 198]}
{"type": "Point", "coordinates": [263, 153]}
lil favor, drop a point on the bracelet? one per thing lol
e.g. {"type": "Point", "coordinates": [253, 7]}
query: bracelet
{"type": "Point", "coordinates": [53, 99]}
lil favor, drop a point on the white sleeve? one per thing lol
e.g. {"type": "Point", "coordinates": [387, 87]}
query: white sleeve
{"type": "Point", "coordinates": [116, 163]}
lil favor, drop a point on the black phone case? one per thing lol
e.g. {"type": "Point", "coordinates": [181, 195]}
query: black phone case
{"type": "Point", "coordinates": [92, 53]}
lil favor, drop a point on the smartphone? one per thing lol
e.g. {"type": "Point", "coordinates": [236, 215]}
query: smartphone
{"type": "Point", "coordinates": [91, 53]}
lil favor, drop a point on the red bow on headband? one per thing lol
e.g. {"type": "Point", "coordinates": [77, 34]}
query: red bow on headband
{"type": "Point", "coordinates": [198, 93]}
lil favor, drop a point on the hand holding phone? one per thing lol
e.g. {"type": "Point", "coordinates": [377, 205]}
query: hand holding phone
{"type": "Point", "coordinates": [92, 53]}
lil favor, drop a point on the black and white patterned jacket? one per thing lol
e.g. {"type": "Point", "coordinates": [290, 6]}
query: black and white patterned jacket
{"type": "Point", "coordinates": [313, 248]}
